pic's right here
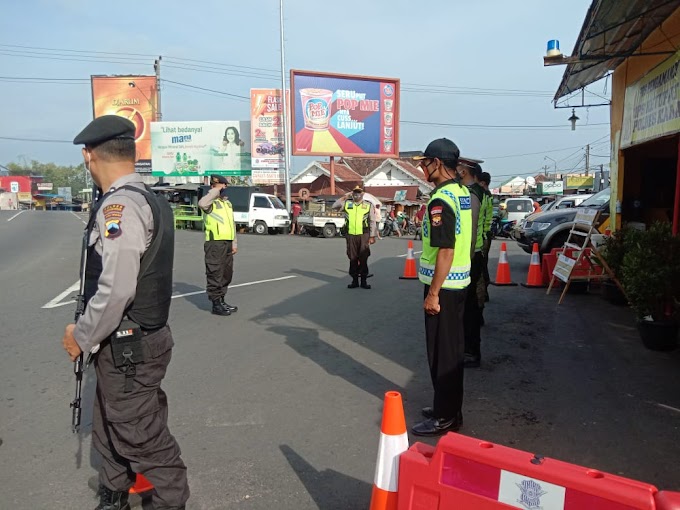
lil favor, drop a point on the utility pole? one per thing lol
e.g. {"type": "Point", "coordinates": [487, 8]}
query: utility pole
{"type": "Point", "coordinates": [157, 68]}
{"type": "Point", "coordinates": [545, 170]}
{"type": "Point", "coordinates": [587, 158]}
{"type": "Point", "coordinates": [287, 137]}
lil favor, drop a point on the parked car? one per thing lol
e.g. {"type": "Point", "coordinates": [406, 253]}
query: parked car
{"type": "Point", "coordinates": [550, 229]}
{"type": "Point", "coordinates": [518, 208]}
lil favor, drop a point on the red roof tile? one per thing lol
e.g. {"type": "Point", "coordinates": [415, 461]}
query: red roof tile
{"type": "Point", "coordinates": [387, 192]}
{"type": "Point", "coordinates": [342, 171]}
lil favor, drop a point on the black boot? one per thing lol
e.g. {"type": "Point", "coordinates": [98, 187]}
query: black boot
{"type": "Point", "coordinates": [231, 308]}
{"type": "Point", "coordinates": [364, 285]}
{"type": "Point", "coordinates": [219, 309]}
{"type": "Point", "coordinates": [112, 500]}
{"type": "Point", "coordinates": [354, 284]}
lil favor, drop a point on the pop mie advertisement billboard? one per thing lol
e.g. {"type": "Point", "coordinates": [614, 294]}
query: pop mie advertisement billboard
{"type": "Point", "coordinates": [344, 115]}
{"type": "Point", "coordinates": [197, 148]}
{"type": "Point", "coordinates": [132, 97]}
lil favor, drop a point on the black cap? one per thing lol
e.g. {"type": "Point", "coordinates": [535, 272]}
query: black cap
{"type": "Point", "coordinates": [218, 179]}
{"type": "Point", "coordinates": [442, 148]}
{"type": "Point", "coordinates": [105, 128]}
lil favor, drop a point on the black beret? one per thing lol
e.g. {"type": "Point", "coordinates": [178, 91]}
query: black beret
{"type": "Point", "coordinates": [104, 128]}
{"type": "Point", "coordinates": [218, 179]}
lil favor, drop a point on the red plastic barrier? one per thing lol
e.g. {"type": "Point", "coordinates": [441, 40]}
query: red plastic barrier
{"type": "Point", "coordinates": [466, 473]}
{"type": "Point", "coordinates": [583, 268]}
{"type": "Point", "coordinates": [666, 500]}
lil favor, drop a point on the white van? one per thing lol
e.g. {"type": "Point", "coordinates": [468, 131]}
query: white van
{"type": "Point", "coordinates": [519, 208]}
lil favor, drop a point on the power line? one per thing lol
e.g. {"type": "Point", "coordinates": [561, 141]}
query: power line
{"type": "Point", "coordinates": [247, 98]}
{"type": "Point", "coordinates": [491, 126]}
{"type": "Point", "coordinates": [34, 140]}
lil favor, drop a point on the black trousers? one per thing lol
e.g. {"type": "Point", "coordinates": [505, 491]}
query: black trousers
{"type": "Point", "coordinates": [473, 308]}
{"type": "Point", "coordinates": [130, 430]}
{"type": "Point", "coordinates": [445, 344]}
{"type": "Point", "coordinates": [219, 268]}
{"type": "Point", "coordinates": [358, 251]}
{"type": "Point", "coordinates": [486, 248]}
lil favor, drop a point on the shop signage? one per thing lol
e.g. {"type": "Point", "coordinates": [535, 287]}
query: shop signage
{"type": "Point", "coordinates": [551, 188]}
{"type": "Point", "coordinates": [580, 182]}
{"type": "Point", "coordinates": [652, 104]}
{"type": "Point", "coordinates": [563, 268]}
{"type": "Point", "coordinates": [45, 186]}
{"type": "Point", "coordinates": [14, 187]}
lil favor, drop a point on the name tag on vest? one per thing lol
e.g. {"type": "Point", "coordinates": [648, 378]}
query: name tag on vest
{"type": "Point", "coordinates": [465, 203]}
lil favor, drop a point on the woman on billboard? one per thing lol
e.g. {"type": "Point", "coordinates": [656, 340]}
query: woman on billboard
{"type": "Point", "coordinates": [231, 149]}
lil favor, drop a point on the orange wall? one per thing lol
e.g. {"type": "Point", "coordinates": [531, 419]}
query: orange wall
{"type": "Point", "coordinates": [630, 71]}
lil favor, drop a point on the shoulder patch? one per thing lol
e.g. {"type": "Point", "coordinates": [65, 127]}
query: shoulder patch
{"type": "Point", "coordinates": [436, 220]}
{"type": "Point", "coordinates": [113, 215]}
{"type": "Point", "coordinates": [437, 210]}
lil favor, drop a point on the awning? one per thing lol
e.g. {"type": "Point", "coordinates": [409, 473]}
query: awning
{"type": "Point", "coordinates": [612, 31]}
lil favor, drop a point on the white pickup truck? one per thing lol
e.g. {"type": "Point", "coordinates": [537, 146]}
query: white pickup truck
{"type": "Point", "coordinates": [328, 224]}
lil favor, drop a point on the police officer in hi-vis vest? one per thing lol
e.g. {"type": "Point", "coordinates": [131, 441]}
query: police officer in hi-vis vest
{"type": "Point", "coordinates": [445, 271]}
{"type": "Point", "coordinates": [127, 294]}
{"type": "Point", "coordinates": [361, 231]}
{"type": "Point", "coordinates": [220, 244]}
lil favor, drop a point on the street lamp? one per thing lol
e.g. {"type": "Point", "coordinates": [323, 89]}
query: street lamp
{"type": "Point", "coordinates": [573, 119]}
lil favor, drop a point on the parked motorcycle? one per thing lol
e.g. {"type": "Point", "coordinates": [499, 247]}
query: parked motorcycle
{"type": "Point", "coordinates": [502, 228]}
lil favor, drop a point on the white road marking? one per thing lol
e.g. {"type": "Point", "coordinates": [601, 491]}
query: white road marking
{"type": "Point", "coordinates": [406, 254]}
{"type": "Point", "coordinates": [74, 214]}
{"type": "Point", "coordinates": [57, 301]}
{"type": "Point", "coordinates": [234, 286]}
{"type": "Point", "coordinates": [664, 406]}
{"type": "Point", "coordinates": [17, 214]}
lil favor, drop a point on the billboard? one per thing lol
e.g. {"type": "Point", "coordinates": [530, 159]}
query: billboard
{"type": "Point", "coordinates": [580, 182]}
{"type": "Point", "coordinates": [196, 148]}
{"type": "Point", "coordinates": [344, 115]}
{"type": "Point", "coordinates": [132, 97]}
{"type": "Point", "coordinates": [266, 117]}
{"type": "Point", "coordinates": [267, 176]}
{"type": "Point", "coordinates": [551, 188]}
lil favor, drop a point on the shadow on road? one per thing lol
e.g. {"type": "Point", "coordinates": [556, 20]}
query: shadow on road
{"type": "Point", "coordinates": [329, 489]}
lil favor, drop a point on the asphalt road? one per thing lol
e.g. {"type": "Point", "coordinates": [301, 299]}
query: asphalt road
{"type": "Point", "coordinates": [279, 405]}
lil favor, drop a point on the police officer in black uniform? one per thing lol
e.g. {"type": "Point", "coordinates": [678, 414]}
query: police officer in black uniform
{"type": "Point", "coordinates": [128, 288]}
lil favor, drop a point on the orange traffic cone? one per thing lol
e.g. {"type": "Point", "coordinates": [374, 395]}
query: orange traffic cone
{"type": "Point", "coordinates": [410, 265]}
{"type": "Point", "coordinates": [503, 271]}
{"type": "Point", "coordinates": [535, 276]}
{"type": "Point", "coordinates": [141, 485]}
{"type": "Point", "coordinates": [393, 442]}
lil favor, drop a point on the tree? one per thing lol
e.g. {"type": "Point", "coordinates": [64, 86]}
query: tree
{"type": "Point", "coordinates": [60, 176]}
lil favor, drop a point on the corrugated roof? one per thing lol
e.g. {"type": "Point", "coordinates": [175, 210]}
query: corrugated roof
{"type": "Point", "coordinates": [611, 32]}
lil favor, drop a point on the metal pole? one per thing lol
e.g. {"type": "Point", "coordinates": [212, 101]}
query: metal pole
{"type": "Point", "coordinates": [587, 158]}
{"type": "Point", "coordinates": [676, 207]}
{"type": "Point", "coordinates": [286, 138]}
{"type": "Point", "coordinates": [157, 68]}
{"type": "Point", "coordinates": [332, 175]}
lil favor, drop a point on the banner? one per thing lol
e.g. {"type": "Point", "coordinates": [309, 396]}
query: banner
{"type": "Point", "coordinates": [344, 115]}
{"type": "Point", "coordinates": [652, 104]}
{"type": "Point", "coordinates": [580, 182]}
{"type": "Point", "coordinates": [198, 148]}
{"type": "Point", "coordinates": [266, 116]}
{"type": "Point", "coordinates": [45, 186]}
{"type": "Point", "coordinates": [269, 176]}
{"type": "Point", "coordinates": [132, 97]}
{"type": "Point", "coordinates": [551, 188]}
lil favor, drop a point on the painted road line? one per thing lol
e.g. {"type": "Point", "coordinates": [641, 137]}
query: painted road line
{"type": "Point", "coordinates": [415, 253]}
{"type": "Point", "coordinates": [238, 285]}
{"type": "Point", "coordinates": [74, 214]}
{"type": "Point", "coordinates": [17, 214]}
{"type": "Point", "coordinates": [57, 301]}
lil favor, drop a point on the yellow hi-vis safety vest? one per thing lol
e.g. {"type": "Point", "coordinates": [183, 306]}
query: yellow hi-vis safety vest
{"type": "Point", "coordinates": [358, 217]}
{"type": "Point", "coordinates": [458, 198]}
{"type": "Point", "coordinates": [219, 222]}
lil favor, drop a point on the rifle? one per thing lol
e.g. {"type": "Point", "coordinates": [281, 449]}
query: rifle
{"type": "Point", "coordinates": [80, 309]}
{"type": "Point", "coordinates": [78, 364]}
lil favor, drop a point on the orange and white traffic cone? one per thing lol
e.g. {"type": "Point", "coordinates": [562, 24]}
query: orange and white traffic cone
{"type": "Point", "coordinates": [410, 265]}
{"type": "Point", "coordinates": [535, 276]}
{"type": "Point", "coordinates": [393, 442]}
{"type": "Point", "coordinates": [503, 271]}
{"type": "Point", "coordinates": [142, 484]}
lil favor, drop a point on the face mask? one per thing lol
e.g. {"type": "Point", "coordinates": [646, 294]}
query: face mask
{"type": "Point", "coordinates": [223, 193]}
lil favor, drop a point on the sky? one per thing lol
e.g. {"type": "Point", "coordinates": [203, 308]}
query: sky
{"type": "Point", "coordinates": [468, 70]}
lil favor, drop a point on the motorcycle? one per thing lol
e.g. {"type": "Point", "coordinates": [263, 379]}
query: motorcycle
{"type": "Point", "coordinates": [502, 228]}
